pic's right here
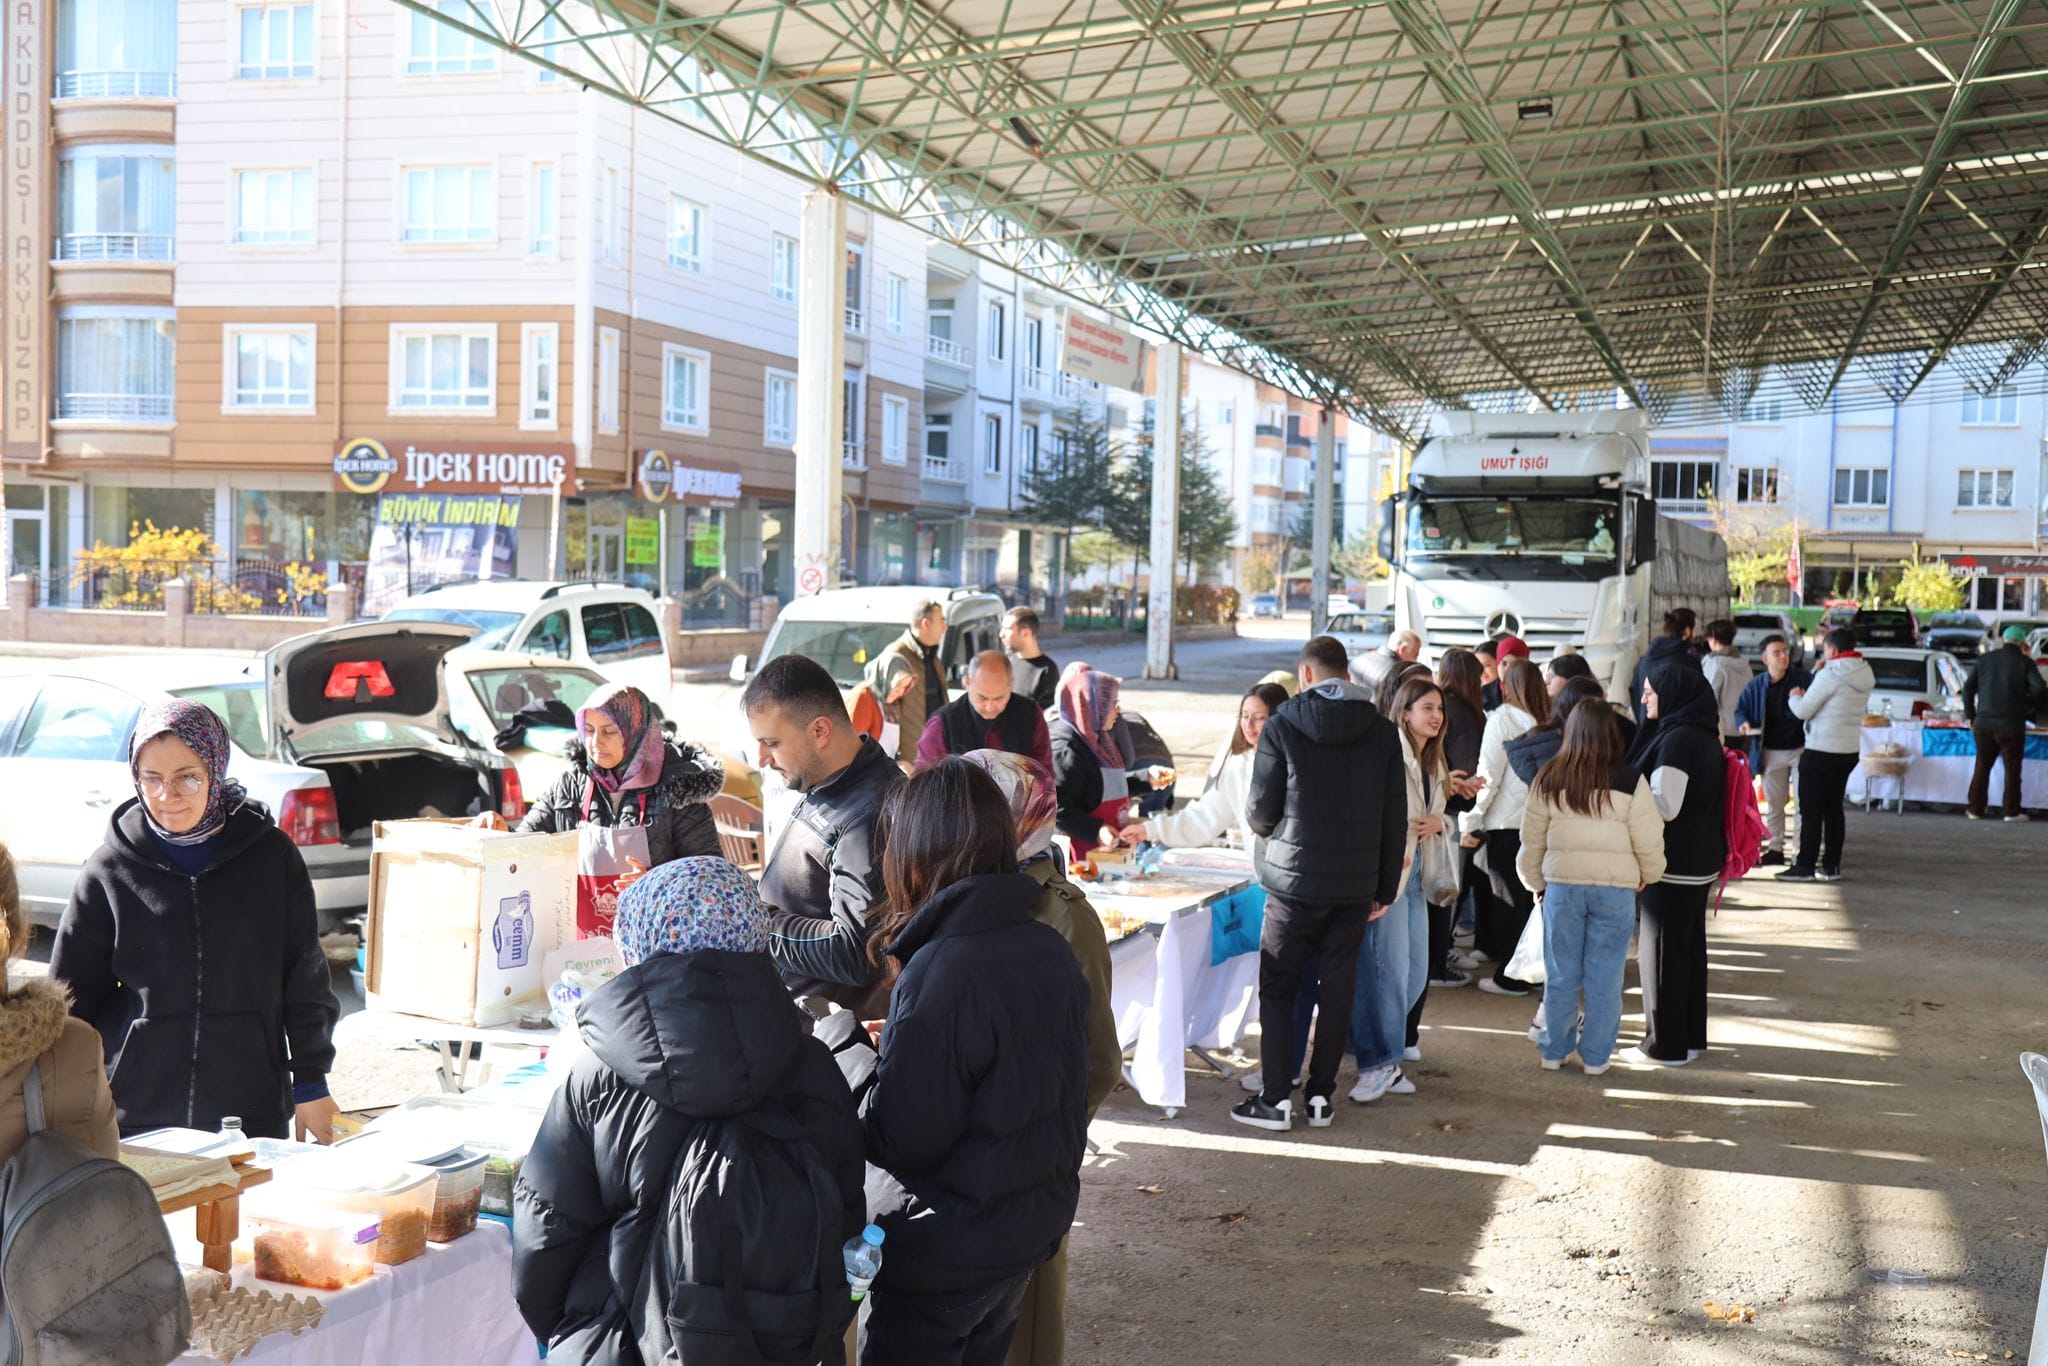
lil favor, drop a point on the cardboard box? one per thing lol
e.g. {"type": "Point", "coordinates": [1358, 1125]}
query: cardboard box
{"type": "Point", "coordinates": [462, 920]}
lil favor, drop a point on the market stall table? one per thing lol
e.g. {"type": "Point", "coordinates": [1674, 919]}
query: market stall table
{"type": "Point", "coordinates": [1189, 979]}
{"type": "Point", "coordinates": [450, 1307]}
{"type": "Point", "coordinates": [375, 1028]}
{"type": "Point", "coordinates": [1940, 760]}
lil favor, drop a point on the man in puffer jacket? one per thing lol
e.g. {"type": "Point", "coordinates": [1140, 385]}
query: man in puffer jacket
{"type": "Point", "coordinates": [1833, 710]}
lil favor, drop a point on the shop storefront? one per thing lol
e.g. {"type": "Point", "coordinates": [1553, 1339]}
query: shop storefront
{"type": "Point", "coordinates": [682, 534]}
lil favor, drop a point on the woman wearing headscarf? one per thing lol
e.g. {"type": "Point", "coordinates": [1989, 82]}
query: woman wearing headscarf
{"type": "Point", "coordinates": [1041, 1337]}
{"type": "Point", "coordinates": [623, 772]}
{"type": "Point", "coordinates": [697, 1028]}
{"type": "Point", "coordinates": [192, 944]}
{"type": "Point", "coordinates": [1679, 750]}
{"type": "Point", "coordinates": [1094, 772]}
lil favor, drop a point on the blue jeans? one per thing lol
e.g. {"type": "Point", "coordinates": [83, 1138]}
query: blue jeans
{"type": "Point", "coordinates": [1585, 952]}
{"type": "Point", "coordinates": [1393, 967]}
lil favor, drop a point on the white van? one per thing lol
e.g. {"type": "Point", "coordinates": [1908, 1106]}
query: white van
{"type": "Point", "coordinates": [844, 628]}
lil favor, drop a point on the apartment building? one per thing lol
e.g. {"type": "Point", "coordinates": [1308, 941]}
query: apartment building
{"type": "Point", "coordinates": [289, 257]}
{"type": "Point", "coordinates": [1959, 475]}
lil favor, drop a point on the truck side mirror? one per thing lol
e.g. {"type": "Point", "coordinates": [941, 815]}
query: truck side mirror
{"type": "Point", "coordinates": [1389, 510]}
{"type": "Point", "coordinates": [738, 672]}
{"type": "Point", "coordinates": [1644, 548]}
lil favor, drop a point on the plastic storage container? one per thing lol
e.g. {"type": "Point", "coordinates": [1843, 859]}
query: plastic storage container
{"type": "Point", "coordinates": [459, 1172]}
{"type": "Point", "coordinates": [501, 1174]}
{"type": "Point", "coordinates": [398, 1195]}
{"type": "Point", "coordinates": [318, 1247]}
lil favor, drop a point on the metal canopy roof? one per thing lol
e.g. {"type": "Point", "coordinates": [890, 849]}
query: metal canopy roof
{"type": "Point", "coordinates": [1462, 202]}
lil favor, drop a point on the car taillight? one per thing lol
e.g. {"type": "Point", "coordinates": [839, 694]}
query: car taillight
{"type": "Point", "coordinates": [512, 802]}
{"type": "Point", "coordinates": [1922, 707]}
{"type": "Point", "coordinates": [309, 816]}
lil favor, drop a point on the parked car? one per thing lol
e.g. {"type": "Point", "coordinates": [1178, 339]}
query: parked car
{"type": "Point", "coordinates": [1885, 626]}
{"type": "Point", "coordinates": [1752, 628]}
{"type": "Point", "coordinates": [844, 628]}
{"type": "Point", "coordinates": [1361, 632]}
{"type": "Point", "coordinates": [1265, 605]}
{"type": "Point", "coordinates": [1960, 633]}
{"type": "Point", "coordinates": [488, 688]}
{"type": "Point", "coordinates": [331, 731]}
{"type": "Point", "coordinates": [1913, 682]}
{"type": "Point", "coordinates": [608, 628]}
{"type": "Point", "coordinates": [1994, 633]}
{"type": "Point", "coordinates": [1837, 614]}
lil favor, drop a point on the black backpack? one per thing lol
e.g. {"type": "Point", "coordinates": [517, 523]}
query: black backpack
{"type": "Point", "coordinates": [747, 1267]}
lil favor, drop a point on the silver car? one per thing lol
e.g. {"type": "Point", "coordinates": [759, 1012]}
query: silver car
{"type": "Point", "coordinates": [1361, 632]}
{"type": "Point", "coordinates": [1753, 628]}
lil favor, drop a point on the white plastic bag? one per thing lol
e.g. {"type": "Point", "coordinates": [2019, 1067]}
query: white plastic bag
{"type": "Point", "coordinates": [1526, 964]}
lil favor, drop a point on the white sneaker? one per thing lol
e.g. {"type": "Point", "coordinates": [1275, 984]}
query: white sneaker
{"type": "Point", "coordinates": [1319, 1112]}
{"type": "Point", "coordinates": [1469, 959]}
{"type": "Point", "coordinates": [1636, 1057]}
{"type": "Point", "coordinates": [1412, 1053]}
{"type": "Point", "coordinates": [1593, 1071]}
{"type": "Point", "coordinates": [1536, 1032]}
{"type": "Point", "coordinates": [1402, 1085]}
{"type": "Point", "coordinates": [1694, 1054]}
{"type": "Point", "coordinates": [1549, 1065]}
{"type": "Point", "coordinates": [1373, 1083]}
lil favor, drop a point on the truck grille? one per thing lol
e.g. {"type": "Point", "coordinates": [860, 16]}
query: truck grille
{"type": "Point", "coordinates": [1542, 634]}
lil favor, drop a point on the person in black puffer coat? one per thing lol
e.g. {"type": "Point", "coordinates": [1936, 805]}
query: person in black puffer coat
{"type": "Point", "coordinates": [697, 1029]}
{"type": "Point", "coordinates": [1673, 647]}
{"type": "Point", "coordinates": [1679, 751]}
{"type": "Point", "coordinates": [625, 773]}
{"type": "Point", "coordinates": [980, 1106]}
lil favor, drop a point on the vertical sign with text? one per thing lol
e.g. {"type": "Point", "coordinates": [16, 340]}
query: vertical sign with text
{"type": "Point", "coordinates": [27, 94]}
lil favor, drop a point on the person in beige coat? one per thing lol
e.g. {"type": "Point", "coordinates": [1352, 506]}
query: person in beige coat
{"type": "Point", "coordinates": [1592, 837]}
{"type": "Point", "coordinates": [916, 653]}
{"type": "Point", "coordinates": [37, 1028]}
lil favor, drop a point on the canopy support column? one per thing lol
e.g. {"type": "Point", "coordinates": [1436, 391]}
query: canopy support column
{"type": "Point", "coordinates": [1165, 514]}
{"type": "Point", "coordinates": [820, 398]}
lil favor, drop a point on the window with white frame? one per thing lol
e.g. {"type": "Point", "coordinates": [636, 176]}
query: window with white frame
{"type": "Point", "coordinates": [548, 46]}
{"type": "Point", "coordinates": [116, 363]}
{"type": "Point", "coordinates": [996, 323]}
{"type": "Point", "coordinates": [992, 444]}
{"type": "Point", "coordinates": [1755, 483]}
{"type": "Point", "coordinates": [1863, 488]}
{"type": "Point", "coordinates": [1683, 481]}
{"type": "Point", "coordinates": [1763, 409]}
{"type": "Point", "coordinates": [539, 375]}
{"type": "Point", "coordinates": [895, 430]}
{"type": "Point", "coordinates": [938, 442]}
{"type": "Point", "coordinates": [274, 42]}
{"type": "Point", "coordinates": [1027, 448]}
{"type": "Point", "coordinates": [1266, 469]}
{"type": "Point", "coordinates": [687, 223]}
{"type": "Point", "coordinates": [269, 369]}
{"type": "Point", "coordinates": [1983, 488]}
{"type": "Point", "coordinates": [779, 429]}
{"type": "Point", "coordinates": [607, 227]}
{"type": "Point", "coordinates": [448, 204]}
{"type": "Point", "coordinates": [117, 202]}
{"type": "Point", "coordinates": [437, 48]}
{"type": "Point", "coordinates": [445, 370]}
{"type": "Point", "coordinates": [782, 267]}
{"type": "Point", "coordinates": [896, 305]}
{"type": "Point", "coordinates": [608, 380]}
{"type": "Point", "coordinates": [1062, 442]}
{"type": "Point", "coordinates": [1999, 408]}
{"type": "Point", "coordinates": [856, 288]}
{"type": "Point", "coordinates": [853, 412]}
{"type": "Point", "coordinates": [543, 211]}
{"type": "Point", "coordinates": [274, 208]}
{"type": "Point", "coordinates": [685, 388]}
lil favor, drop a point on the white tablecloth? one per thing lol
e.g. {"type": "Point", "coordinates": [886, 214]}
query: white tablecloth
{"type": "Point", "coordinates": [1167, 995]}
{"type": "Point", "coordinates": [1942, 778]}
{"type": "Point", "coordinates": [451, 1307]}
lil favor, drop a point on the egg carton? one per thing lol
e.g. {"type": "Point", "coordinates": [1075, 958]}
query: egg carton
{"type": "Point", "coordinates": [229, 1323]}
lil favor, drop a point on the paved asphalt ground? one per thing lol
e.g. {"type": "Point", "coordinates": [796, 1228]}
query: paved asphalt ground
{"type": "Point", "coordinates": [1862, 1109]}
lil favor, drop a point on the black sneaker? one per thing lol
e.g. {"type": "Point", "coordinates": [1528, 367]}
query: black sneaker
{"type": "Point", "coordinates": [1772, 859]}
{"type": "Point", "coordinates": [1258, 1114]}
{"type": "Point", "coordinates": [1319, 1112]}
{"type": "Point", "coordinates": [1796, 874]}
{"type": "Point", "coordinates": [1828, 875]}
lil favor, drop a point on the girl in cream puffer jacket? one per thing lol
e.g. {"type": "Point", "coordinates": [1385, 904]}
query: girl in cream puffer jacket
{"type": "Point", "coordinates": [1621, 847]}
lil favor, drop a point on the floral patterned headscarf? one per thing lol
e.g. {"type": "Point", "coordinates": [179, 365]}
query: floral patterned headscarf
{"type": "Point", "coordinates": [1086, 698]}
{"type": "Point", "coordinates": [207, 735]}
{"type": "Point", "coordinates": [690, 904]}
{"type": "Point", "coordinates": [633, 714]}
{"type": "Point", "coordinates": [1028, 787]}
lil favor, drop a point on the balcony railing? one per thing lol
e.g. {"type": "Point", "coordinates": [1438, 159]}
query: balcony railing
{"type": "Point", "coordinates": [854, 453]}
{"type": "Point", "coordinates": [115, 85]}
{"type": "Point", "coordinates": [945, 349]}
{"type": "Point", "coordinates": [115, 246]}
{"type": "Point", "coordinates": [115, 407]}
{"type": "Point", "coordinates": [856, 321]}
{"type": "Point", "coordinates": [945, 470]}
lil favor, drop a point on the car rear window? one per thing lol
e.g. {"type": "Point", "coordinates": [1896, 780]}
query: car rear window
{"type": "Point", "coordinates": [242, 706]}
{"type": "Point", "coordinates": [1759, 621]}
{"type": "Point", "coordinates": [492, 628]}
{"type": "Point", "coordinates": [1883, 616]}
{"type": "Point", "coordinates": [503, 692]}
{"type": "Point", "coordinates": [1907, 675]}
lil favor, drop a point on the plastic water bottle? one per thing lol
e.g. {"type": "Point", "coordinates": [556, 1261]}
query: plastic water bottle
{"type": "Point", "coordinates": [231, 1129]}
{"type": "Point", "coordinates": [863, 1260]}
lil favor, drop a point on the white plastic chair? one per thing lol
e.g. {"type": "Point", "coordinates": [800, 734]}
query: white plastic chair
{"type": "Point", "coordinates": [2036, 1068]}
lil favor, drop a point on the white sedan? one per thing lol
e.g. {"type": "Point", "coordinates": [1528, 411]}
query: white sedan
{"type": "Point", "coordinates": [1913, 683]}
{"type": "Point", "coordinates": [1361, 632]}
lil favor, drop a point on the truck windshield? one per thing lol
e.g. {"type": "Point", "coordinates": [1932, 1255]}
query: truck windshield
{"type": "Point", "coordinates": [1570, 530]}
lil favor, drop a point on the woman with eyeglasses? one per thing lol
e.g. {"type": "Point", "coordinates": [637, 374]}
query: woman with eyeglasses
{"type": "Point", "coordinates": [192, 944]}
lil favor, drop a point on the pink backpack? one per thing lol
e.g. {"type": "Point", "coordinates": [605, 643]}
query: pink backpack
{"type": "Point", "coordinates": [1742, 829]}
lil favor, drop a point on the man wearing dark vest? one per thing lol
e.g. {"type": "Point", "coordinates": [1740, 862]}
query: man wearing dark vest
{"type": "Point", "coordinates": [987, 716]}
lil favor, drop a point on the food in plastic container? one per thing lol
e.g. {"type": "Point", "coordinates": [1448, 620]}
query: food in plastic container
{"type": "Point", "coordinates": [501, 1174]}
{"type": "Point", "coordinates": [398, 1194]}
{"type": "Point", "coordinates": [459, 1173]}
{"type": "Point", "coordinates": [320, 1248]}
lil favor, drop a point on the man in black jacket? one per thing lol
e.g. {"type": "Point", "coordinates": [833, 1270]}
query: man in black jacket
{"type": "Point", "coordinates": [823, 877]}
{"type": "Point", "coordinates": [1674, 646]}
{"type": "Point", "coordinates": [1036, 674]}
{"type": "Point", "coordinates": [1330, 800]}
{"type": "Point", "coordinates": [1999, 697]}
